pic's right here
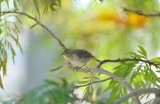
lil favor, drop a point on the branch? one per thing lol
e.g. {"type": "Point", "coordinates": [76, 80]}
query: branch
{"type": "Point", "coordinates": [102, 71]}
{"type": "Point", "coordinates": [56, 68]}
{"type": "Point", "coordinates": [38, 22]}
{"type": "Point", "coordinates": [141, 13]}
{"type": "Point", "coordinates": [127, 60]}
{"type": "Point", "coordinates": [94, 82]}
{"type": "Point", "coordinates": [137, 92]}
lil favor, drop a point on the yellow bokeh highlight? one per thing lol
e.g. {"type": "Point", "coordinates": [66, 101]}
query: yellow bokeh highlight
{"type": "Point", "coordinates": [137, 20]}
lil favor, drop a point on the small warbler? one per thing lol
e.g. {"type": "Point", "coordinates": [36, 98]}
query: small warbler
{"type": "Point", "coordinates": [78, 57]}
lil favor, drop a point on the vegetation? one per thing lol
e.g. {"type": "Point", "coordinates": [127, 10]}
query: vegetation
{"type": "Point", "coordinates": [118, 78]}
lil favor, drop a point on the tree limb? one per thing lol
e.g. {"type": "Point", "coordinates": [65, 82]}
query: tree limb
{"type": "Point", "coordinates": [102, 71]}
{"type": "Point", "coordinates": [141, 13]}
{"type": "Point", "coordinates": [92, 83]}
{"type": "Point", "coordinates": [38, 22]}
{"type": "Point", "coordinates": [138, 92]}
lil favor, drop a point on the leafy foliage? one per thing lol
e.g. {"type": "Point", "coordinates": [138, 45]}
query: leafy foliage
{"type": "Point", "coordinates": [138, 74]}
{"type": "Point", "coordinates": [9, 32]}
{"type": "Point", "coordinates": [88, 92]}
{"type": "Point", "coordinates": [51, 92]}
{"type": "Point", "coordinates": [47, 5]}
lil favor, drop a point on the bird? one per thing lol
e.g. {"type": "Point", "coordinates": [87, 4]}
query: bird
{"type": "Point", "coordinates": [79, 57]}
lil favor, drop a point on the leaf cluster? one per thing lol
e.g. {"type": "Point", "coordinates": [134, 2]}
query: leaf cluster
{"type": "Point", "coordinates": [137, 74]}
{"type": "Point", "coordinates": [51, 92]}
{"type": "Point", "coordinates": [15, 4]}
{"type": "Point", "coordinates": [9, 36]}
{"type": "Point", "coordinates": [46, 5]}
{"type": "Point", "coordinates": [88, 92]}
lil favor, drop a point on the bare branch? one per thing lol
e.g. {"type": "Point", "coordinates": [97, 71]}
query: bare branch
{"type": "Point", "coordinates": [141, 13]}
{"type": "Point", "coordinates": [33, 25]}
{"type": "Point", "coordinates": [92, 83]}
{"type": "Point", "coordinates": [138, 92]}
{"type": "Point", "coordinates": [56, 68]}
{"type": "Point", "coordinates": [38, 22]}
{"type": "Point", "coordinates": [127, 60]}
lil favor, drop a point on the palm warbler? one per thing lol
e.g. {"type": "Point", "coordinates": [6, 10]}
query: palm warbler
{"type": "Point", "coordinates": [78, 57]}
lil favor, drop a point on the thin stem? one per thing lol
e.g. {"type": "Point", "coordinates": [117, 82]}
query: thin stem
{"type": "Point", "coordinates": [38, 22]}
{"type": "Point", "coordinates": [56, 68]}
{"type": "Point", "coordinates": [127, 60]}
{"type": "Point", "coordinates": [94, 82]}
{"type": "Point", "coordinates": [138, 12]}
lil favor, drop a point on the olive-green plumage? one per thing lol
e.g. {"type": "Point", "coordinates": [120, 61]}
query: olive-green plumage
{"type": "Point", "coordinates": [78, 57]}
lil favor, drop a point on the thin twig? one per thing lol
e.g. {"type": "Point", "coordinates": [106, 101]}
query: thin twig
{"type": "Point", "coordinates": [94, 82]}
{"type": "Point", "coordinates": [56, 68]}
{"type": "Point", "coordinates": [141, 13]}
{"type": "Point", "coordinates": [139, 92]}
{"type": "Point", "coordinates": [33, 25]}
{"type": "Point", "coordinates": [127, 60]}
{"type": "Point", "coordinates": [38, 22]}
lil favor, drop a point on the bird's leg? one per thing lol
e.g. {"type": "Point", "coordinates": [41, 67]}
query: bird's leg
{"type": "Point", "coordinates": [99, 73]}
{"type": "Point", "coordinates": [78, 67]}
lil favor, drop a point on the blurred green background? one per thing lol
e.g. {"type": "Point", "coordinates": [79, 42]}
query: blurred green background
{"type": "Point", "coordinates": [104, 29]}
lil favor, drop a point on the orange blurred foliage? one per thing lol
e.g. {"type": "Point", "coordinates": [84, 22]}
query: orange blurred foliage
{"type": "Point", "coordinates": [137, 20]}
{"type": "Point", "coordinates": [131, 19]}
{"type": "Point", "coordinates": [110, 16]}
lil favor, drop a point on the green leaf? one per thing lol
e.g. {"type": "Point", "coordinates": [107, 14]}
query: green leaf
{"type": "Point", "coordinates": [15, 4]}
{"type": "Point", "coordinates": [139, 68]}
{"type": "Point", "coordinates": [86, 94]}
{"type": "Point", "coordinates": [115, 93]}
{"type": "Point", "coordinates": [124, 69]}
{"type": "Point", "coordinates": [156, 60]}
{"type": "Point", "coordinates": [86, 77]}
{"type": "Point", "coordinates": [19, 20]}
{"type": "Point", "coordinates": [49, 82]}
{"type": "Point", "coordinates": [17, 43]}
{"type": "Point", "coordinates": [1, 85]}
{"type": "Point", "coordinates": [4, 65]}
{"type": "Point", "coordinates": [14, 30]}
{"type": "Point", "coordinates": [12, 50]}
{"type": "Point", "coordinates": [15, 26]}
{"type": "Point", "coordinates": [96, 78]}
{"type": "Point", "coordinates": [45, 10]}
{"type": "Point", "coordinates": [7, 3]}
{"type": "Point", "coordinates": [59, 1]}
{"type": "Point", "coordinates": [36, 5]}
{"type": "Point", "coordinates": [134, 75]}
{"type": "Point", "coordinates": [112, 84]}
{"type": "Point", "coordinates": [142, 51]}
{"type": "Point", "coordinates": [20, 47]}
{"type": "Point", "coordinates": [84, 82]}
{"type": "Point", "coordinates": [0, 30]}
{"type": "Point", "coordinates": [132, 54]}
{"type": "Point", "coordinates": [13, 53]}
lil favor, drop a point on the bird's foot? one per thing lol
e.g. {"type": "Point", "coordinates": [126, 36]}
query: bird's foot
{"type": "Point", "coordinates": [76, 68]}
